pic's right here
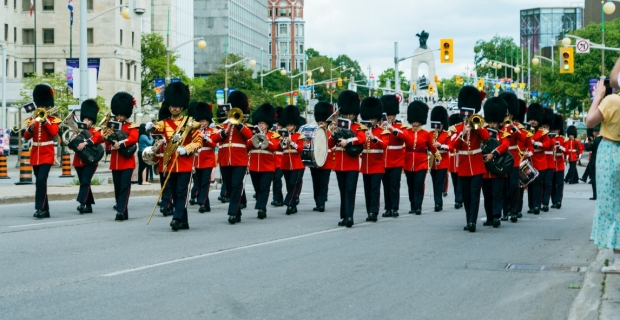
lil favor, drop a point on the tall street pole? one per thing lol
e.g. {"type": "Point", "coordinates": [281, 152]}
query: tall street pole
{"type": "Point", "coordinates": [167, 80]}
{"type": "Point", "coordinates": [83, 52]}
{"type": "Point", "coordinates": [34, 8]}
{"type": "Point", "coordinates": [226, 72]}
{"type": "Point", "coordinates": [396, 73]}
{"type": "Point", "coordinates": [261, 67]}
{"type": "Point", "coordinates": [4, 86]}
{"type": "Point", "coordinates": [602, 40]}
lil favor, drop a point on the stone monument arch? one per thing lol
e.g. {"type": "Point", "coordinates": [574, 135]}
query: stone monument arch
{"type": "Point", "coordinates": [423, 55]}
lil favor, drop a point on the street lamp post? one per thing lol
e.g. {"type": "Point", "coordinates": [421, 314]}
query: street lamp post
{"type": "Point", "coordinates": [201, 45]}
{"type": "Point", "coordinates": [252, 63]}
{"type": "Point", "coordinates": [3, 85]}
{"type": "Point", "coordinates": [262, 75]}
{"type": "Point", "coordinates": [331, 70]}
{"type": "Point", "coordinates": [308, 73]}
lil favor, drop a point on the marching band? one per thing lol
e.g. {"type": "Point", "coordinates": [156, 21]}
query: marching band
{"type": "Point", "coordinates": [498, 154]}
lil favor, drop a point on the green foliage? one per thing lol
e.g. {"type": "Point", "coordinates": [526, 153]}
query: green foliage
{"type": "Point", "coordinates": [405, 84]}
{"type": "Point", "coordinates": [154, 66]}
{"type": "Point", "coordinates": [311, 53]}
{"type": "Point", "coordinates": [449, 89]}
{"type": "Point", "coordinates": [96, 181]}
{"type": "Point", "coordinates": [501, 49]}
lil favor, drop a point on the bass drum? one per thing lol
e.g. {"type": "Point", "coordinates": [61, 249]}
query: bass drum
{"type": "Point", "coordinates": [527, 173]}
{"type": "Point", "coordinates": [315, 146]}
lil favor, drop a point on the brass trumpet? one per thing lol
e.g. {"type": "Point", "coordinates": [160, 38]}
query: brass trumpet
{"type": "Point", "coordinates": [39, 115]}
{"type": "Point", "coordinates": [235, 116]}
{"type": "Point", "coordinates": [508, 121]}
{"type": "Point", "coordinates": [476, 121]}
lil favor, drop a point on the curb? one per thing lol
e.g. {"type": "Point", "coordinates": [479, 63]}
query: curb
{"type": "Point", "coordinates": [588, 301]}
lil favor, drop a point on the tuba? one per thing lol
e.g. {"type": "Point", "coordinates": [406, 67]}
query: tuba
{"type": "Point", "coordinates": [74, 136]}
{"type": "Point", "coordinates": [149, 155]}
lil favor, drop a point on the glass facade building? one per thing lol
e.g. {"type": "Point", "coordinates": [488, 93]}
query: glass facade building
{"type": "Point", "coordinates": [542, 27]}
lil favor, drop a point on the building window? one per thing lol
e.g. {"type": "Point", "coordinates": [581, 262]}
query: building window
{"type": "Point", "coordinates": [26, 5]}
{"type": "Point", "coordinates": [28, 69]}
{"type": "Point", "coordinates": [90, 36]}
{"type": "Point", "coordinates": [121, 37]}
{"type": "Point", "coordinates": [283, 48]}
{"type": "Point", "coordinates": [14, 69]}
{"type": "Point", "coordinates": [15, 6]}
{"type": "Point", "coordinates": [283, 30]}
{"type": "Point", "coordinates": [28, 36]}
{"type": "Point", "coordinates": [269, 47]}
{"type": "Point", "coordinates": [15, 35]}
{"type": "Point", "coordinates": [283, 12]}
{"type": "Point", "coordinates": [48, 5]}
{"type": "Point", "coordinates": [128, 72]}
{"type": "Point", "coordinates": [121, 70]}
{"type": "Point", "coordinates": [132, 39]}
{"type": "Point", "coordinates": [48, 67]}
{"type": "Point", "coordinates": [283, 64]}
{"type": "Point", "coordinates": [300, 48]}
{"type": "Point", "coordinates": [48, 36]}
{"type": "Point", "coordinates": [135, 71]}
{"type": "Point", "coordinates": [299, 30]}
{"type": "Point", "coordinates": [6, 3]}
{"type": "Point", "coordinates": [90, 5]}
{"type": "Point", "coordinates": [6, 32]}
{"type": "Point", "coordinates": [270, 13]}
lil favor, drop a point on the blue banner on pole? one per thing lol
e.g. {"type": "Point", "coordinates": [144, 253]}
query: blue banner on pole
{"type": "Point", "coordinates": [74, 63]}
{"type": "Point", "coordinates": [159, 89]}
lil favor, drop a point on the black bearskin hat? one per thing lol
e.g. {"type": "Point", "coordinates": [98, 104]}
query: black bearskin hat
{"type": "Point", "coordinates": [164, 112]}
{"type": "Point", "coordinates": [495, 110]}
{"type": "Point", "coordinates": [290, 115]}
{"type": "Point", "coordinates": [301, 121]}
{"type": "Point", "coordinates": [469, 97]}
{"type": "Point", "coordinates": [122, 104]}
{"type": "Point", "coordinates": [322, 111]}
{"type": "Point", "coordinates": [571, 131]}
{"type": "Point", "coordinates": [371, 108]}
{"type": "Point", "coordinates": [349, 102]}
{"type": "Point", "coordinates": [89, 110]}
{"type": "Point", "coordinates": [520, 117]}
{"type": "Point", "coordinates": [535, 112]}
{"type": "Point", "coordinates": [279, 114]}
{"type": "Point", "coordinates": [454, 119]}
{"type": "Point", "coordinates": [512, 102]}
{"type": "Point", "coordinates": [203, 111]}
{"type": "Point", "coordinates": [548, 117]}
{"type": "Point", "coordinates": [417, 112]}
{"type": "Point", "coordinates": [390, 104]}
{"type": "Point", "coordinates": [177, 95]}
{"type": "Point", "coordinates": [238, 99]}
{"type": "Point", "coordinates": [440, 114]}
{"type": "Point", "coordinates": [191, 109]}
{"type": "Point", "coordinates": [558, 122]}
{"type": "Point", "coordinates": [43, 96]}
{"type": "Point", "coordinates": [265, 113]}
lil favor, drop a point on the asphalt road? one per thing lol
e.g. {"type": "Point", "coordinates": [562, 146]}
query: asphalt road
{"type": "Point", "coordinates": [292, 267]}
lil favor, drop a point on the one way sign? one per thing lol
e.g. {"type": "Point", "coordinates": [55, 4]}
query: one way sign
{"type": "Point", "coordinates": [582, 46]}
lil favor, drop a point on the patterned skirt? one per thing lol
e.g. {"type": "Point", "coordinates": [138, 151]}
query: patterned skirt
{"type": "Point", "coordinates": [606, 224]}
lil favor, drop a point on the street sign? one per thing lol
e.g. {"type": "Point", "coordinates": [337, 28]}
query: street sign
{"type": "Point", "coordinates": [582, 46]}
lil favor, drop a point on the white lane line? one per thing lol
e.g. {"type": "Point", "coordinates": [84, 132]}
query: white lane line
{"type": "Point", "coordinates": [40, 224]}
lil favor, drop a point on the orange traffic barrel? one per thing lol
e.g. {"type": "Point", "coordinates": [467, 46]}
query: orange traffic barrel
{"type": "Point", "coordinates": [25, 169]}
{"type": "Point", "coordinates": [4, 174]}
{"type": "Point", "coordinates": [66, 165]}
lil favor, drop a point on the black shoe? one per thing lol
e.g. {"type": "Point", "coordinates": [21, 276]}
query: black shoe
{"type": "Point", "coordinates": [297, 202]}
{"type": "Point", "coordinates": [232, 219]}
{"type": "Point", "coordinates": [438, 208]}
{"type": "Point", "coordinates": [418, 212]}
{"type": "Point", "coordinates": [88, 209]}
{"type": "Point", "coordinates": [35, 213]}
{"type": "Point", "coordinates": [291, 210]}
{"type": "Point", "coordinates": [81, 208]}
{"type": "Point", "coordinates": [225, 200]}
{"type": "Point", "coordinates": [513, 218]}
{"type": "Point", "coordinates": [582, 179]}
{"type": "Point", "coordinates": [341, 223]}
{"type": "Point", "coordinates": [445, 194]}
{"type": "Point", "coordinates": [165, 212]}
{"type": "Point", "coordinates": [319, 209]}
{"type": "Point", "coordinates": [262, 214]}
{"type": "Point", "coordinates": [466, 228]}
{"type": "Point", "coordinates": [554, 206]}
{"type": "Point", "coordinates": [192, 201]}
{"type": "Point", "coordinates": [590, 182]}
{"type": "Point", "coordinates": [519, 215]}
{"type": "Point", "coordinates": [504, 218]}
{"type": "Point", "coordinates": [277, 203]}
{"type": "Point", "coordinates": [536, 211]}
{"type": "Point", "coordinates": [372, 217]}
{"type": "Point", "coordinates": [496, 223]}
{"type": "Point", "coordinates": [219, 198]}
{"type": "Point", "coordinates": [559, 205]}
{"type": "Point", "coordinates": [175, 225]}
{"type": "Point", "coordinates": [238, 218]}
{"type": "Point", "coordinates": [411, 211]}
{"type": "Point", "coordinates": [243, 206]}
{"type": "Point", "coordinates": [120, 216]}
{"type": "Point", "coordinates": [348, 222]}
{"type": "Point", "coordinates": [394, 213]}
{"type": "Point", "coordinates": [458, 205]}
{"type": "Point", "coordinates": [254, 196]}
{"type": "Point", "coordinates": [387, 214]}
{"type": "Point", "coordinates": [545, 209]}
{"type": "Point", "coordinates": [42, 214]}
{"type": "Point", "coordinates": [204, 209]}
{"type": "Point", "coordinates": [593, 198]}
{"type": "Point", "coordinates": [472, 227]}
{"type": "Point", "coordinates": [530, 211]}
{"type": "Point", "coordinates": [115, 206]}
{"type": "Point", "coordinates": [487, 224]}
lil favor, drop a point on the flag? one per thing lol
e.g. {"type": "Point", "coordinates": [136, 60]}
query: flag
{"type": "Point", "coordinates": [70, 6]}
{"type": "Point", "coordinates": [31, 7]}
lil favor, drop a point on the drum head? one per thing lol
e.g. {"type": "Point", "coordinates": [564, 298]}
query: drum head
{"type": "Point", "coordinates": [320, 146]}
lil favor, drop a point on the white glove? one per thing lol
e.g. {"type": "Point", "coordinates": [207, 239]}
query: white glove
{"type": "Point", "coordinates": [562, 149]}
{"type": "Point", "coordinates": [528, 154]}
{"type": "Point", "coordinates": [537, 144]}
{"type": "Point", "coordinates": [293, 144]}
{"type": "Point", "coordinates": [182, 151]}
{"type": "Point", "coordinates": [149, 126]}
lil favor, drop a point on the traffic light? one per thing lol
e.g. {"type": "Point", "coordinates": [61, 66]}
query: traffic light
{"type": "Point", "coordinates": [576, 114]}
{"type": "Point", "coordinates": [446, 47]}
{"type": "Point", "coordinates": [480, 83]}
{"type": "Point", "coordinates": [567, 64]}
{"type": "Point", "coordinates": [413, 87]}
{"type": "Point", "coordinates": [431, 89]}
{"type": "Point", "coordinates": [436, 79]}
{"type": "Point", "coordinates": [340, 82]}
{"type": "Point", "coordinates": [309, 82]}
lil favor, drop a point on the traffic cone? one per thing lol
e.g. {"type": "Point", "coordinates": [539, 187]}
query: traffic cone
{"type": "Point", "coordinates": [3, 168]}
{"type": "Point", "coordinates": [25, 169]}
{"type": "Point", "coordinates": [66, 165]}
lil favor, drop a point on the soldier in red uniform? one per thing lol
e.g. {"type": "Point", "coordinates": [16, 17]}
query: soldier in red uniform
{"type": "Point", "coordinates": [346, 163]}
{"type": "Point", "coordinates": [439, 168]}
{"type": "Point", "coordinates": [233, 155]}
{"type": "Point", "coordinates": [523, 148]}
{"type": "Point", "coordinates": [42, 134]}
{"type": "Point", "coordinates": [557, 188]}
{"type": "Point", "coordinates": [454, 120]}
{"type": "Point", "coordinates": [165, 202]}
{"type": "Point", "coordinates": [467, 144]}
{"type": "Point", "coordinates": [262, 162]}
{"type": "Point", "coordinates": [178, 169]}
{"type": "Point", "coordinates": [394, 157]}
{"type": "Point", "coordinates": [540, 143]}
{"type": "Point", "coordinates": [495, 110]}
{"type": "Point", "coordinates": [205, 156]}
{"type": "Point", "coordinates": [574, 148]}
{"type": "Point", "coordinates": [373, 162]}
{"type": "Point", "coordinates": [418, 142]}
{"type": "Point", "coordinates": [278, 196]}
{"type": "Point", "coordinates": [88, 115]}
{"type": "Point", "coordinates": [547, 122]}
{"type": "Point", "coordinates": [292, 166]}
{"type": "Point", "coordinates": [320, 176]}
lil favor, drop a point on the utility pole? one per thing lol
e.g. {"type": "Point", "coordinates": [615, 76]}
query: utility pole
{"type": "Point", "coordinates": [396, 73]}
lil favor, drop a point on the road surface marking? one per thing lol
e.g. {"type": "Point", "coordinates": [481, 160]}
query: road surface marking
{"type": "Point", "coordinates": [40, 224]}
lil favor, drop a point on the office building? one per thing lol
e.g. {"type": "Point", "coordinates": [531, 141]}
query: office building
{"type": "Point", "coordinates": [543, 27]}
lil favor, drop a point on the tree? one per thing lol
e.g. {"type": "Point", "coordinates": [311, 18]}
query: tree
{"type": "Point", "coordinates": [311, 53]}
{"type": "Point", "coordinates": [448, 89]}
{"type": "Point", "coordinates": [405, 85]}
{"type": "Point", "coordinates": [154, 66]}
{"type": "Point", "coordinates": [501, 49]}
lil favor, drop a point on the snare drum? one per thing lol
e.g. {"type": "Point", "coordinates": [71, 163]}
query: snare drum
{"type": "Point", "coordinates": [314, 153]}
{"type": "Point", "coordinates": [527, 173]}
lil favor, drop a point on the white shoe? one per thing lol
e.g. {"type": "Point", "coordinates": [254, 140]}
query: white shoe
{"type": "Point", "coordinates": [614, 268]}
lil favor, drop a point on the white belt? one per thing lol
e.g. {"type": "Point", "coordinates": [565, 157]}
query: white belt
{"type": "Point", "coordinates": [548, 152]}
{"type": "Point", "coordinates": [261, 151]}
{"type": "Point", "coordinates": [338, 148]}
{"type": "Point", "coordinates": [513, 147]}
{"type": "Point", "coordinates": [204, 149]}
{"type": "Point", "coordinates": [452, 154]}
{"type": "Point", "coordinates": [395, 147]}
{"type": "Point", "coordinates": [40, 144]}
{"type": "Point", "coordinates": [443, 151]}
{"type": "Point", "coordinates": [470, 152]}
{"type": "Point", "coordinates": [290, 151]}
{"type": "Point", "coordinates": [234, 145]}
{"type": "Point", "coordinates": [373, 151]}
{"type": "Point", "coordinates": [279, 153]}
{"type": "Point", "coordinates": [159, 155]}
{"type": "Point", "coordinates": [572, 150]}
{"type": "Point", "coordinates": [538, 150]}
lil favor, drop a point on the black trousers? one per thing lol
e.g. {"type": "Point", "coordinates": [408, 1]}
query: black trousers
{"type": "Point", "coordinates": [41, 173]}
{"type": "Point", "coordinates": [372, 192]}
{"type": "Point", "coordinates": [547, 183]}
{"type": "Point", "coordinates": [347, 184]}
{"type": "Point", "coordinates": [166, 196]}
{"type": "Point", "coordinates": [234, 177]}
{"type": "Point", "coordinates": [203, 181]}
{"type": "Point", "coordinates": [294, 181]}
{"type": "Point", "coordinates": [277, 185]}
{"type": "Point", "coordinates": [122, 189]}
{"type": "Point", "coordinates": [456, 185]}
{"type": "Point", "coordinates": [471, 187]}
{"type": "Point", "coordinates": [511, 192]}
{"type": "Point", "coordinates": [179, 182]}
{"type": "Point", "coordinates": [223, 190]}
{"type": "Point", "coordinates": [196, 181]}
{"type": "Point", "coordinates": [439, 185]}
{"type": "Point", "coordinates": [520, 200]}
{"type": "Point", "coordinates": [320, 185]}
{"type": "Point", "coordinates": [586, 173]}
{"type": "Point", "coordinates": [261, 182]}
{"type": "Point", "coordinates": [492, 189]}
{"type": "Point", "coordinates": [391, 187]}
{"type": "Point", "coordinates": [557, 188]}
{"type": "Point", "coordinates": [572, 176]}
{"type": "Point", "coordinates": [593, 179]}
{"type": "Point", "coordinates": [85, 175]}
{"type": "Point", "coordinates": [415, 185]}
{"type": "Point", "coordinates": [534, 190]}
{"type": "Point", "coordinates": [141, 167]}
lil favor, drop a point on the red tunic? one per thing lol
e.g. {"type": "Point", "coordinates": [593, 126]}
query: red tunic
{"type": "Point", "coordinates": [395, 151]}
{"type": "Point", "coordinates": [573, 149]}
{"type": "Point", "coordinates": [549, 154]}
{"type": "Point", "coordinates": [517, 142]}
{"type": "Point", "coordinates": [264, 160]}
{"type": "Point", "coordinates": [444, 151]}
{"type": "Point", "coordinates": [291, 160]}
{"type": "Point", "coordinates": [453, 156]}
{"type": "Point", "coordinates": [372, 156]}
{"type": "Point", "coordinates": [343, 161]}
{"type": "Point", "coordinates": [540, 143]}
{"type": "Point", "coordinates": [232, 150]}
{"type": "Point", "coordinates": [469, 153]}
{"type": "Point", "coordinates": [117, 160]}
{"type": "Point", "coordinates": [42, 136]}
{"type": "Point", "coordinates": [504, 145]}
{"type": "Point", "coordinates": [205, 156]}
{"type": "Point", "coordinates": [95, 139]}
{"type": "Point", "coordinates": [418, 143]}
{"type": "Point", "coordinates": [192, 142]}
{"type": "Point", "coordinates": [329, 162]}
{"type": "Point", "coordinates": [558, 150]}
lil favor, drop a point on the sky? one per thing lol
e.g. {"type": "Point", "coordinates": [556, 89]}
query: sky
{"type": "Point", "coordinates": [366, 30]}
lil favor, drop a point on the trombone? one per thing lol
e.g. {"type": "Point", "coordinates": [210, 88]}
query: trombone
{"type": "Point", "coordinates": [39, 115]}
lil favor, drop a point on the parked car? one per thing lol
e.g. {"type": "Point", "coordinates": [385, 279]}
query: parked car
{"type": "Point", "coordinates": [14, 142]}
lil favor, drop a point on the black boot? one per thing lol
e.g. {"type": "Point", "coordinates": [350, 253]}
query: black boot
{"type": "Point", "coordinates": [513, 218]}
{"type": "Point", "coordinates": [204, 209]}
{"type": "Point", "coordinates": [418, 212]}
{"type": "Point", "coordinates": [232, 219]}
{"type": "Point", "coordinates": [42, 214]}
{"type": "Point", "coordinates": [395, 213]}
{"type": "Point", "coordinates": [387, 213]}
{"type": "Point", "coordinates": [81, 208]}
{"type": "Point", "coordinates": [536, 210]}
{"type": "Point", "coordinates": [438, 208]}
{"type": "Point", "coordinates": [458, 205]}
{"type": "Point", "coordinates": [373, 217]}
{"type": "Point", "coordinates": [496, 223]}
{"type": "Point", "coordinates": [165, 212]}
{"type": "Point", "coordinates": [291, 210]}
{"type": "Point", "coordinates": [472, 227]}
{"type": "Point", "coordinates": [88, 209]}
{"type": "Point", "coordinates": [545, 208]}
{"type": "Point", "coordinates": [341, 223]}
{"type": "Point", "coordinates": [120, 216]}
{"type": "Point", "coordinates": [558, 205]}
{"type": "Point", "coordinates": [519, 215]}
{"type": "Point", "coordinates": [348, 222]}
{"type": "Point", "coordinates": [319, 208]}
{"type": "Point", "coordinates": [262, 214]}
{"type": "Point", "coordinates": [192, 201]}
